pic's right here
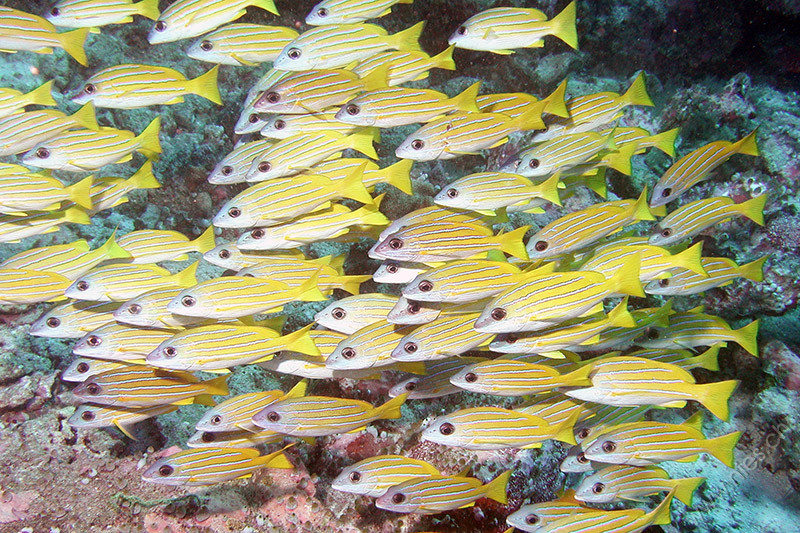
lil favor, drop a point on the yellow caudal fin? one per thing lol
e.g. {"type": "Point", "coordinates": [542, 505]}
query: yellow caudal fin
{"type": "Point", "coordinates": [412, 367]}
{"type": "Point", "coordinates": [351, 284]}
{"type": "Point", "coordinates": [268, 5]}
{"type": "Point", "coordinates": [626, 280]}
{"type": "Point", "coordinates": [709, 358]}
{"type": "Point", "coordinates": [144, 177]}
{"type": "Point", "coordinates": [747, 337]}
{"type": "Point", "coordinates": [186, 277]}
{"type": "Point", "coordinates": [148, 8]}
{"type": "Point", "coordinates": [684, 488]}
{"type": "Point", "coordinates": [277, 460]}
{"type": "Point", "coordinates": [377, 79]}
{"type": "Point", "coordinates": [362, 142]}
{"type": "Point", "coordinates": [124, 429]}
{"type": "Point", "coordinates": [640, 210]}
{"type": "Point", "coordinates": [85, 117]}
{"type": "Point", "coordinates": [76, 215]}
{"type": "Point", "coordinates": [754, 270]}
{"type": "Point", "coordinates": [690, 259]}
{"type": "Point", "coordinates": [512, 243]}
{"type": "Point", "coordinates": [747, 145]}
{"type": "Point", "coordinates": [369, 215]}
{"type": "Point", "coordinates": [665, 141]}
{"type": "Point", "coordinates": [444, 60]}
{"type": "Point", "coordinates": [465, 101]}
{"type": "Point", "coordinates": [205, 241]}
{"type": "Point", "coordinates": [309, 290]}
{"type": "Point", "coordinates": [496, 488]}
{"type": "Point", "coordinates": [298, 391]}
{"type": "Point", "coordinates": [148, 139]}
{"type": "Point", "coordinates": [753, 209]}
{"type": "Point", "coordinates": [566, 429]}
{"type": "Point", "coordinates": [300, 341]}
{"type": "Point", "coordinates": [391, 409]}
{"type": "Point", "coordinates": [621, 159]}
{"type": "Point", "coordinates": [722, 447]}
{"type": "Point", "coordinates": [548, 189]}
{"type": "Point", "coordinates": [42, 95]}
{"type": "Point", "coordinates": [636, 93]}
{"type": "Point", "coordinates": [80, 192]}
{"type": "Point", "coordinates": [206, 86]}
{"type": "Point", "coordinates": [714, 396]}
{"type": "Point", "coordinates": [554, 102]}
{"type": "Point", "coordinates": [563, 26]}
{"type": "Point", "coordinates": [111, 250]}
{"type": "Point", "coordinates": [620, 317]}
{"type": "Point", "coordinates": [336, 263]}
{"type": "Point", "coordinates": [352, 186]}
{"type": "Point", "coordinates": [399, 175]}
{"type": "Point", "coordinates": [661, 514]}
{"type": "Point", "coordinates": [408, 39]}
{"type": "Point", "coordinates": [217, 386]}
{"type": "Point", "coordinates": [531, 119]}
{"type": "Point", "coordinates": [72, 43]}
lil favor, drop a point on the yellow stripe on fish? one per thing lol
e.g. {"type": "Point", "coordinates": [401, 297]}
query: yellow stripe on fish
{"type": "Point", "coordinates": [396, 175]}
{"type": "Point", "coordinates": [109, 192]}
{"type": "Point", "coordinates": [406, 312]}
{"type": "Point", "coordinates": [72, 320]}
{"type": "Point", "coordinates": [688, 329]}
{"type": "Point", "coordinates": [189, 18]}
{"type": "Point", "coordinates": [655, 262]}
{"type": "Point", "coordinates": [14, 228]}
{"type": "Point", "coordinates": [623, 337]}
{"type": "Point", "coordinates": [233, 439]}
{"type": "Point", "coordinates": [118, 342]}
{"type": "Point", "coordinates": [22, 131]}
{"type": "Point", "coordinates": [154, 246]}
{"type": "Point", "coordinates": [242, 44]}
{"type": "Point", "coordinates": [18, 286]}
{"type": "Point", "coordinates": [350, 11]}
{"type": "Point", "coordinates": [375, 475]}
{"type": "Point", "coordinates": [369, 347]}
{"type": "Point", "coordinates": [436, 381]}
{"type": "Point", "coordinates": [21, 31]}
{"type": "Point", "coordinates": [295, 272]}
{"type": "Point", "coordinates": [285, 126]}
{"type": "Point", "coordinates": [96, 13]}
{"type": "Point", "coordinates": [228, 256]}
{"type": "Point", "coordinates": [149, 310]}
{"type": "Point", "coordinates": [664, 141]}
{"type": "Point", "coordinates": [623, 482]}
{"type": "Point", "coordinates": [683, 358]}
{"type": "Point", "coordinates": [99, 416]}
{"type": "Point", "coordinates": [12, 100]}
{"type": "Point", "coordinates": [123, 282]}
{"type": "Point", "coordinates": [541, 515]}
{"type": "Point", "coordinates": [234, 414]}
{"type": "Point", "coordinates": [37, 192]}
{"type": "Point", "coordinates": [437, 213]}
{"type": "Point", "coordinates": [563, 153]}
{"type": "Point", "coordinates": [557, 409]}
{"type": "Point", "coordinates": [406, 65]}
{"type": "Point", "coordinates": [446, 336]}
{"type": "Point", "coordinates": [234, 166]}
{"type": "Point", "coordinates": [442, 493]}
{"type": "Point", "coordinates": [622, 521]}
{"type": "Point", "coordinates": [719, 272]}
{"type": "Point", "coordinates": [486, 192]}
{"type": "Point", "coordinates": [350, 314]}
{"type": "Point", "coordinates": [516, 104]}
{"type": "Point", "coordinates": [508, 377]}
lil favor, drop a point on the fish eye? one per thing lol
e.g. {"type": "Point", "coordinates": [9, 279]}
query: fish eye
{"type": "Point", "coordinates": [663, 282]}
{"type": "Point", "coordinates": [581, 458]}
{"type": "Point", "coordinates": [452, 193]}
{"type": "Point", "coordinates": [470, 377]}
{"type": "Point", "coordinates": [352, 109]}
{"type": "Point", "coordinates": [82, 285]}
{"type": "Point", "coordinates": [666, 232]}
{"type": "Point", "coordinates": [417, 144]}
{"type": "Point", "coordinates": [93, 389]}
{"type": "Point", "coordinates": [227, 170]}
{"type": "Point", "coordinates": [425, 286]}
{"type": "Point", "coordinates": [134, 309]}
{"type": "Point", "coordinates": [206, 45]}
{"type": "Point", "coordinates": [666, 192]}
{"type": "Point", "coordinates": [264, 166]}
{"type": "Point", "coordinates": [188, 301]}
{"type": "Point", "coordinates": [89, 88]}
{"type": "Point", "coordinates": [532, 519]}
{"type": "Point", "coordinates": [294, 53]}
{"type": "Point", "coordinates": [53, 322]}
{"type": "Point", "coordinates": [55, 12]}
{"type": "Point", "coordinates": [446, 428]}
{"type": "Point", "coordinates": [272, 416]}
{"type": "Point", "coordinates": [609, 446]}
{"type": "Point", "coordinates": [216, 420]}
{"type": "Point", "coordinates": [462, 30]}
{"type": "Point", "coordinates": [413, 308]}
{"type": "Point", "coordinates": [42, 153]}
{"type": "Point", "coordinates": [253, 118]}
{"type": "Point", "coordinates": [597, 488]}
{"type": "Point", "coordinates": [395, 243]}
{"type": "Point", "coordinates": [533, 163]}
{"type": "Point", "coordinates": [399, 498]}
{"type": "Point", "coordinates": [272, 97]}
{"type": "Point", "coordinates": [498, 313]}
{"type": "Point", "coordinates": [160, 26]}
{"type": "Point", "coordinates": [208, 436]}
{"type": "Point", "coordinates": [94, 340]}
{"type": "Point", "coordinates": [88, 416]}
{"type": "Point", "coordinates": [322, 12]}
{"type": "Point", "coordinates": [170, 351]}
{"type": "Point", "coordinates": [234, 212]}
{"type": "Point", "coordinates": [279, 124]}
{"type": "Point", "coordinates": [411, 385]}
{"type": "Point", "coordinates": [165, 470]}
{"type": "Point", "coordinates": [392, 268]}
{"type": "Point", "coordinates": [224, 253]}
{"type": "Point", "coordinates": [258, 233]}
{"type": "Point", "coordinates": [338, 313]}
{"type": "Point", "coordinates": [410, 347]}
{"type": "Point", "coordinates": [511, 339]}
{"type": "Point", "coordinates": [583, 433]}
{"type": "Point", "coordinates": [540, 246]}
{"type": "Point", "coordinates": [348, 353]}
{"type": "Point", "coordinates": [652, 334]}
{"type": "Point", "coordinates": [355, 477]}
{"type": "Point", "coordinates": [82, 368]}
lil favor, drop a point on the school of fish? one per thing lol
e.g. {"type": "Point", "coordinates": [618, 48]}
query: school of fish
{"type": "Point", "coordinates": [467, 307]}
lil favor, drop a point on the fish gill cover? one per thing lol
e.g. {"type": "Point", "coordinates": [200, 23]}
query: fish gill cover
{"type": "Point", "coordinates": [581, 218]}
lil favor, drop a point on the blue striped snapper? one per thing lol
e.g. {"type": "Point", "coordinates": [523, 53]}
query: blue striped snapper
{"type": "Point", "coordinates": [442, 493]}
{"type": "Point", "coordinates": [664, 141]}
{"type": "Point", "coordinates": [12, 100]}
{"type": "Point", "coordinates": [508, 377]}
{"type": "Point", "coordinates": [447, 336]}
{"type": "Point", "coordinates": [605, 416]}
{"type": "Point", "coordinates": [109, 192]}
{"type": "Point", "coordinates": [271, 77]}
{"type": "Point", "coordinates": [655, 262]}
{"type": "Point", "coordinates": [409, 313]}
{"type": "Point", "coordinates": [696, 166]}
{"type": "Point", "coordinates": [227, 255]}
{"type": "Point", "coordinates": [96, 13]}
{"type": "Point", "coordinates": [132, 86]}
{"type": "Point", "coordinates": [15, 228]}
{"type": "Point", "coordinates": [19, 286]}
{"type": "Point", "coordinates": [21, 31]}
{"type": "Point", "coordinates": [317, 416]}
{"type": "Point", "coordinates": [396, 175]}
{"type": "Point", "coordinates": [691, 328]}
{"type": "Point", "coordinates": [375, 475]}
{"type": "Point", "coordinates": [285, 126]}
{"type": "Point", "coordinates": [396, 272]}
{"type": "Point", "coordinates": [238, 296]}
{"type": "Point", "coordinates": [234, 166]}
{"type": "Point", "coordinates": [565, 153]}
{"type": "Point", "coordinates": [435, 383]}
{"type": "Point", "coordinates": [557, 409]}
{"type": "Point", "coordinates": [120, 282]}
{"type": "Point", "coordinates": [154, 246]}
{"type": "Point", "coordinates": [502, 29]}
{"type": "Point", "coordinates": [83, 150]}
{"type": "Point", "coordinates": [719, 272]}
{"type": "Point", "coordinates": [234, 414]}
{"type": "Point", "coordinates": [437, 213]}
{"type": "Point", "coordinates": [37, 192]}
{"type": "Point", "coordinates": [538, 516]}
{"type": "Point", "coordinates": [486, 192]}
{"type": "Point", "coordinates": [692, 218]}
{"type": "Point", "coordinates": [352, 313]}
{"type": "Point", "coordinates": [369, 347]}
{"type": "Point", "coordinates": [406, 65]}
{"type": "Point", "coordinates": [99, 416]}
{"type": "Point", "coordinates": [400, 106]}
{"type": "Point", "coordinates": [493, 428]}
{"type": "Point", "coordinates": [209, 466]}
{"type": "Point", "coordinates": [233, 439]}
{"type": "Point", "coordinates": [149, 310]}
{"type": "Point", "coordinates": [73, 319]}
{"type": "Point", "coordinates": [341, 44]}
{"type": "Point", "coordinates": [22, 131]}
{"type": "Point", "coordinates": [242, 44]}
{"type": "Point", "coordinates": [576, 462]}
{"type": "Point", "coordinates": [190, 18]}
{"type": "Point", "coordinates": [622, 482]}
{"type": "Point", "coordinates": [622, 338]}
{"type": "Point", "coordinates": [684, 358]}
{"type": "Point", "coordinates": [516, 104]}
{"type": "Point", "coordinates": [350, 11]}
{"type": "Point", "coordinates": [142, 386]}
{"type": "Point", "coordinates": [82, 368]}
{"type": "Point", "coordinates": [118, 342]}
{"type": "Point", "coordinates": [295, 272]}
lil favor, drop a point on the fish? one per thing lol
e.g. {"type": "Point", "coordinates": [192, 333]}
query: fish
{"type": "Point", "coordinates": [234, 167]}
{"type": "Point", "coordinates": [349, 11]}
{"type": "Point", "coordinates": [238, 296]}
{"type": "Point", "coordinates": [12, 100]}
{"type": "Point", "coordinates": [557, 410]}
{"type": "Point", "coordinates": [184, 19]}
{"type": "Point", "coordinates": [83, 150]}
{"type": "Point", "coordinates": [622, 482]}
{"type": "Point", "coordinates": [605, 416]}
{"type": "Point", "coordinates": [647, 443]}
{"type": "Point", "coordinates": [209, 466]}
{"type": "Point", "coordinates": [538, 516]}
{"type": "Point", "coordinates": [18, 286]}
{"type": "Point", "coordinates": [133, 86]}
{"type": "Point", "coordinates": [434, 494]}
{"type": "Point", "coordinates": [14, 228]}
{"type": "Point", "coordinates": [406, 65]}
{"type": "Point", "coordinates": [295, 272]}
{"type": "Point", "coordinates": [623, 337]}
{"type": "Point", "coordinates": [155, 246]}
{"type": "Point", "coordinates": [692, 218]}
{"type": "Point", "coordinates": [508, 377]}
{"type": "Point", "coordinates": [149, 310]}
{"type": "Point", "coordinates": [437, 213]}
{"type": "Point", "coordinates": [335, 46]}
{"type": "Point", "coordinates": [242, 44]}
{"type": "Point", "coordinates": [696, 166]}
{"type": "Point", "coordinates": [401, 106]}
{"type": "Point", "coordinates": [285, 126]}
{"type": "Point", "coordinates": [350, 314]}
{"type": "Point", "coordinates": [83, 368]}
{"type": "Point", "coordinates": [545, 300]}
{"type": "Point", "coordinates": [271, 77]}
{"type": "Point", "coordinates": [295, 154]}
{"type": "Point", "coordinates": [502, 29]}
{"type": "Point", "coordinates": [234, 414]}
{"type": "Point", "coordinates": [233, 439]}
{"type": "Point", "coordinates": [719, 273]}
{"type": "Point", "coordinates": [488, 192]}
{"type": "Point", "coordinates": [219, 347]}
{"type": "Point", "coordinates": [375, 475]}
{"type": "Point", "coordinates": [408, 313]}
{"type": "Point", "coordinates": [317, 416]}
{"type": "Point", "coordinates": [110, 192]}
{"type": "Point", "coordinates": [435, 383]}
{"type": "Point", "coordinates": [121, 282]}
{"type": "Point", "coordinates": [22, 131]}
{"type": "Point", "coordinates": [94, 13]}
{"type": "Point", "coordinates": [21, 31]}
{"type": "Point", "coordinates": [688, 329]}
{"type": "Point", "coordinates": [73, 319]}
{"type": "Point", "coordinates": [369, 347]}
{"type": "Point", "coordinates": [655, 262]}
{"type": "Point", "coordinates": [396, 175]}
{"type": "Point", "coordinates": [228, 256]}
{"type": "Point", "coordinates": [664, 141]}
{"type": "Point", "coordinates": [622, 521]}
{"type": "Point", "coordinates": [143, 386]}
{"type": "Point", "coordinates": [118, 342]}
{"type": "Point", "coordinates": [684, 358]}
{"type": "Point", "coordinates": [516, 104]}
{"type": "Point", "coordinates": [37, 192]}
{"type": "Point", "coordinates": [395, 272]}
{"type": "Point", "coordinates": [493, 428]}
{"type": "Point", "coordinates": [447, 336]}
{"type": "Point", "coordinates": [99, 416]}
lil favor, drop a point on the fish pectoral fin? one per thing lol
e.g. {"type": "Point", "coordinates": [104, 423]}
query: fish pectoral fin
{"type": "Point", "coordinates": [470, 504]}
{"type": "Point", "coordinates": [123, 428]}
{"type": "Point", "coordinates": [503, 52]}
{"type": "Point", "coordinates": [176, 100]}
{"type": "Point", "coordinates": [358, 429]}
{"type": "Point", "coordinates": [690, 459]}
{"type": "Point", "coordinates": [678, 404]}
{"type": "Point", "coordinates": [245, 476]}
{"type": "Point", "coordinates": [533, 446]}
{"type": "Point", "coordinates": [309, 440]}
{"type": "Point", "coordinates": [243, 61]}
{"type": "Point", "coordinates": [536, 44]}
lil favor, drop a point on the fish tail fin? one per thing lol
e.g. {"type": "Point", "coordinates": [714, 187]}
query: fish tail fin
{"type": "Point", "coordinates": [352, 284]}
{"type": "Point", "coordinates": [377, 79]}
{"type": "Point", "coordinates": [563, 26]}
{"type": "Point", "coordinates": [277, 460]}
{"type": "Point", "coordinates": [665, 141]}
{"type": "Point", "coordinates": [548, 189]}
{"type": "Point", "coordinates": [186, 277]}
{"type": "Point", "coordinates": [684, 488]}
{"type": "Point", "coordinates": [206, 241]}
{"type": "Point", "coordinates": [444, 60]}
{"type": "Point", "coordinates": [42, 95]}
{"type": "Point", "coordinates": [597, 183]}
{"type": "Point", "coordinates": [217, 386]}
{"type": "Point", "coordinates": [268, 5]}
{"type": "Point", "coordinates": [626, 279]}
{"type": "Point", "coordinates": [298, 391]}
{"type": "Point", "coordinates": [661, 515]}
{"type": "Point", "coordinates": [124, 429]}
{"type": "Point", "coordinates": [76, 215]}
{"type": "Point", "coordinates": [747, 145]}
{"type": "Point", "coordinates": [399, 175]}
{"type": "Point", "coordinates": [555, 103]}
{"type": "Point", "coordinates": [361, 141]}
{"type": "Point", "coordinates": [144, 177]}
{"type": "Point", "coordinates": [512, 243]}
{"type": "Point", "coordinates": [81, 192]}
{"type": "Point", "coordinates": [336, 263]}
{"type": "Point", "coordinates": [754, 270]}
{"type": "Point", "coordinates": [531, 119]}
{"type": "Point", "coordinates": [148, 139]}
{"type": "Point", "coordinates": [496, 488]}
{"type": "Point", "coordinates": [369, 215]}
{"type": "Point", "coordinates": [408, 39]}
{"type": "Point", "coordinates": [566, 429]}
{"type": "Point", "coordinates": [621, 159]}
{"type": "Point", "coordinates": [691, 259]}
{"type": "Point", "coordinates": [620, 317]}
{"type": "Point", "coordinates": [85, 117]}
{"type": "Point", "coordinates": [72, 42]}
{"type": "Point", "coordinates": [300, 341]}
{"type": "Point", "coordinates": [391, 409]}
{"type": "Point", "coordinates": [352, 186]}
{"type": "Point", "coordinates": [112, 250]}
{"type": "Point", "coordinates": [309, 291]}
{"type": "Point", "coordinates": [640, 210]}
{"type": "Point", "coordinates": [148, 9]}
{"type": "Point", "coordinates": [405, 1]}
{"type": "Point", "coordinates": [747, 337]}
{"type": "Point", "coordinates": [714, 396]}
{"type": "Point", "coordinates": [206, 86]}
{"type": "Point", "coordinates": [465, 101]}
{"type": "Point", "coordinates": [753, 209]}
{"type": "Point", "coordinates": [637, 93]}
{"type": "Point", "coordinates": [709, 358]}
{"type": "Point", "coordinates": [722, 447]}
